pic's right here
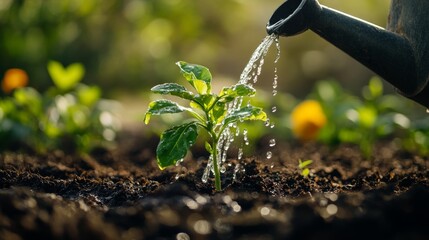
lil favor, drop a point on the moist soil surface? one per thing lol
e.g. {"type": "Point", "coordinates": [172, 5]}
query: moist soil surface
{"type": "Point", "coordinates": [121, 194]}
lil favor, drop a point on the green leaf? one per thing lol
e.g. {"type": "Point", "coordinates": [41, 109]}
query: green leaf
{"type": "Point", "coordinates": [246, 113]}
{"type": "Point", "coordinates": [208, 147]}
{"type": "Point", "coordinates": [239, 90]}
{"type": "Point", "coordinates": [367, 116]}
{"type": "Point", "coordinates": [375, 87]}
{"type": "Point", "coordinates": [175, 143]}
{"type": "Point", "coordinates": [173, 89]}
{"type": "Point", "coordinates": [305, 172]}
{"type": "Point", "coordinates": [65, 78]}
{"type": "Point", "coordinates": [218, 112]}
{"type": "Point", "coordinates": [30, 98]}
{"type": "Point", "coordinates": [162, 106]}
{"type": "Point", "coordinates": [87, 95]}
{"type": "Point", "coordinates": [198, 76]}
{"type": "Point", "coordinates": [205, 100]}
{"type": "Point", "coordinates": [304, 164]}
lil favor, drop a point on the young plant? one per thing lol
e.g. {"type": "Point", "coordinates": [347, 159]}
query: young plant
{"type": "Point", "coordinates": [303, 167]}
{"type": "Point", "coordinates": [208, 110]}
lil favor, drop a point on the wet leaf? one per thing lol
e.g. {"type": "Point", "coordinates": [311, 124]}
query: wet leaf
{"type": "Point", "coordinates": [162, 106]}
{"type": "Point", "coordinates": [173, 89]}
{"type": "Point", "coordinates": [175, 143]}
{"type": "Point", "coordinates": [198, 76]}
{"type": "Point", "coordinates": [205, 100]}
{"type": "Point", "coordinates": [240, 90]}
{"type": "Point", "coordinates": [246, 113]}
{"type": "Point", "coordinates": [218, 112]}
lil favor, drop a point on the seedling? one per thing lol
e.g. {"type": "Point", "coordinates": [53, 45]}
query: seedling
{"type": "Point", "coordinates": [303, 167]}
{"type": "Point", "coordinates": [209, 112]}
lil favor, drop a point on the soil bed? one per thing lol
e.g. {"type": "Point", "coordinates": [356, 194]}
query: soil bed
{"type": "Point", "coordinates": [123, 195]}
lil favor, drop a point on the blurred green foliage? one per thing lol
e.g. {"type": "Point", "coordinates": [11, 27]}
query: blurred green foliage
{"type": "Point", "coordinates": [362, 120]}
{"type": "Point", "coordinates": [122, 43]}
{"type": "Point", "coordinates": [130, 44]}
{"type": "Point", "coordinates": [70, 116]}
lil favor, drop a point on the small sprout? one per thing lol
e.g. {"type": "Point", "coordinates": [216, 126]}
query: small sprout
{"type": "Point", "coordinates": [303, 166]}
{"type": "Point", "coordinates": [209, 112]}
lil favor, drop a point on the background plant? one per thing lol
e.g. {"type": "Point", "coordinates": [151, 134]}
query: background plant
{"type": "Point", "coordinates": [209, 112]}
{"type": "Point", "coordinates": [70, 115]}
{"type": "Point", "coordinates": [369, 118]}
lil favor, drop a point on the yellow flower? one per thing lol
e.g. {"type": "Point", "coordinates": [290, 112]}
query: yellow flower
{"type": "Point", "coordinates": [307, 119]}
{"type": "Point", "coordinates": [14, 78]}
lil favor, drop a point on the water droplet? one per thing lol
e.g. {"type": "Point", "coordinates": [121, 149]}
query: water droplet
{"type": "Point", "coordinates": [223, 159]}
{"type": "Point", "coordinates": [205, 176]}
{"type": "Point", "coordinates": [272, 142]}
{"type": "Point", "coordinates": [278, 49]}
{"type": "Point", "coordinates": [179, 162]}
{"type": "Point", "coordinates": [275, 83]}
{"type": "Point", "coordinates": [274, 109]}
{"type": "Point", "coordinates": [206, 173]}
{"type": "Point", "coordinates": [274, 93]}
{"type": "Point", "coordinates": [223, 169]}
{"type": "Point", "coordinates": [272, 165]}
{"type": "Point", "coordinates": [269, 155]}
{"type": "Point", "coordinates": [236, 169]}
{"type": "Point", "coordinates": [245, 138]}
{"type": "Point", "coordinates": [240, 153]}
{"type": "Point", "coordinates": [272, 125]}
{"type": "Point", "coordinates": [267, 123]}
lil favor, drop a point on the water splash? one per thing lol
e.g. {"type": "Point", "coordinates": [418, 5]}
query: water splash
{"type": "Point", "coordinates": [245, 138]}
{"type": "Point", "coordinates": [274, 109]}
{"type": "Point", "coordinates": [249, 76]}
{"type": "Point", "coordinates": [240, 153]}
{"type": "Point", "coordinates": [258, 54]}
{"type": "Point", "coordinates": [272, 142]}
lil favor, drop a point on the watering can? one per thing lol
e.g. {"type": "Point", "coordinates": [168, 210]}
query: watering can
{"type": "Point", "coordinates": [399, 53]}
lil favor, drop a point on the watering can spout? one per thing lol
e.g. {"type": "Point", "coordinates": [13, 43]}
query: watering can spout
{"type": "Point", "coordinates": [399, 54]}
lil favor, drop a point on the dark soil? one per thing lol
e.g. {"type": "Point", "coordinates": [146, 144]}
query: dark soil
{"type": "Point", "coordinates": [123, 195]}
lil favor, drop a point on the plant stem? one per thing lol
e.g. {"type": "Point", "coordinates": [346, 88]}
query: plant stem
{"type": "Point", "coordinates": [215, 166]}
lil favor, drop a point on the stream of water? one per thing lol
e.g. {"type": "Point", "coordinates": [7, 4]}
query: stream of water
{"type": "Point", "coordinates": [249, 76]}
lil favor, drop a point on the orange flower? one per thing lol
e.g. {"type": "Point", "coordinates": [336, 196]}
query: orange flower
{"type": "Point", "coordinates": [14, 78]}
{"type": "Point", "coordinates": [307, 119]}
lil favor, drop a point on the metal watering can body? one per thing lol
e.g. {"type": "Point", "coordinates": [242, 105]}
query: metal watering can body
{"type": "Point", "coordinates": [399, 53]}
